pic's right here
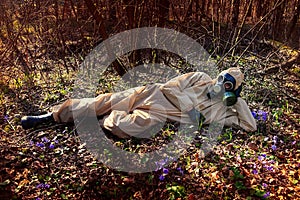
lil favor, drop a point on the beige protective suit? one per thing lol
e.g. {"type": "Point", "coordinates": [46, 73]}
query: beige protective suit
{"type": "Point", "coordinates": [133, 111]}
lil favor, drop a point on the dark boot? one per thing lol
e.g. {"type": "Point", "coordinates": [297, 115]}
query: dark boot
{"type": "Point", "coordinates": [33, 121]}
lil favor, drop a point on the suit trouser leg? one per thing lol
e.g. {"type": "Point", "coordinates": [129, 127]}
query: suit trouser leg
{"type": "Point", "coordinates": [125, 124]}
{"type": "Point", "coordinates": [100, 105]}
{"type": "Point", "coordinates": [72, 108]}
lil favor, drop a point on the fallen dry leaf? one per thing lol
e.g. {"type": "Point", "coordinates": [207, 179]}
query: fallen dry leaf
{"type": "Point", "coordinates": [253, 146]}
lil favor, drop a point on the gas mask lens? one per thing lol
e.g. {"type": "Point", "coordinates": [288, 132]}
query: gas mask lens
{"type": "Point", "coordinates": [228, 86]}
{"type": "Point", "coordinates": [224, 87]}
{"type": "Point", "coordinates": [220, 78]}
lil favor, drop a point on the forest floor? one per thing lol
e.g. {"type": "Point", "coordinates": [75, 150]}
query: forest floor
{"type": "Point", "coordinates": [52, 163]}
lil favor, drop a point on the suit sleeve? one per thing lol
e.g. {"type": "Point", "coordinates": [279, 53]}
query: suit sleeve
{"type": "Point", "coordinates": [179, 90]}
{"type": "Point", "coordinates": [241, 116]}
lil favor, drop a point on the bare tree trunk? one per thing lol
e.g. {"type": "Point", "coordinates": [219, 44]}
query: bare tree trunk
{"type": "Point", "coordinates": [13, 44]}
{"type": "Point", "coordinates": [278, 24]}
{"type": "Point", "coordinates": [163, 12]}
{"type": "Point", "coordinates": [134, 13]}
{"type": "Point", "coordinates": [97, 16]}
{"type": "Point", "coordinates": [235, 12]}
{"type": "Point", "coordinates": [234, 21]}
{"type": "Point", "coordinates": [130, 11]}
{"type": "Point", "coordinates": [295, 19]}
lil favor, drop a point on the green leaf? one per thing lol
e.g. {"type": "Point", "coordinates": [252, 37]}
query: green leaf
{"type": "Point", "coordinates": [63, 196]}
{"type": "Point", "coordinates": [239, 185]}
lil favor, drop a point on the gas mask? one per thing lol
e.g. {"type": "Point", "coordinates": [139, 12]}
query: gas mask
{"type": "Point", "coordinates": [224, 88]}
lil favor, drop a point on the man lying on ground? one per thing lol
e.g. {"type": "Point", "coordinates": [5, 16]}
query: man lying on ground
{"type": "Point", "coordinates": [189, 98]}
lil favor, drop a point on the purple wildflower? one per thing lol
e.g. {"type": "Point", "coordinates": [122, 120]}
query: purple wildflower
{"type": "Point", "coordinates": [56, 141]}
{"type": "Point", "coordinates": [264, 116]}
{"type": "Point", "coordinates": [180, 170]}
{"type": "Point", "coordinates": [161, 177]}
{"type": "Point", "coordinates": [6, 118]}
{"type": "Point", "coordinates": [165, 171]}
{"type": "Point", "coordinates": [254, 114]}
{"type": "Point", "coordinates": [41, 185]}
{"type": "Point", "coordinates": [44, 139]}
{"type": "Point", "coordinates": [264, 185]}
{"type": "Point", "coordinates": [254, 171]}
{"type": "Point", "coordinates": [259, 112]}
{"type": "Point", "coordinates": [260, 158]}
{"type": "Point", "coordinates": [38, 198]}
{"type": "Point", "coordinates": [294, 142]}
{"type": "Point", "coordinates": [51, 146]}
{"type": "Point", "coordinates": [271, 161]}
{"type": "Point", "coordinates": [266, 195]}
{"type": "Point", "coordinates": [31, 142]}
{"type": "Point", "coordinates": [40, 144]}
{"type": "Point", "coordinates": [261, 115]}
{"type": "Point", "coordinates": [270, 168]}
{"type": "Point", "coordinates": [274, 147]}
{"type": "Point", "coordinates": [160, 164]}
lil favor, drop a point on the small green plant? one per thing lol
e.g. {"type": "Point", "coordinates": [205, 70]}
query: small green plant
{"type": "Point", "coordinates": [237, 174]}
{"type": "Point", "coordinates": [227, 136]}
{"type": "Point", "coordinates": [277, 113]}
{"type": "Point", "coordinates": [260, 193]}
{"type": "Point", "coordinates": [18, 83]}
{"type": "Point", "coordinates": [287, 108]}
{"type": "Point", "coordinates": [239, 185]}
{"type": "Point", "coordinates": [176, 191]}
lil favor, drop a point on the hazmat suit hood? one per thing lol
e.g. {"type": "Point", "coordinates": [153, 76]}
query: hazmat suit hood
{"type": "Point", "coordinates": [236, 73]}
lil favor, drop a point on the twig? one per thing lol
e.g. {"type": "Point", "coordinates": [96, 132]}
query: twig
{"type": "Point", "coordinates": [265, 16]}
{"type": "Point", "coordinates": [284, 65]}
{"type": "Point", "coordinates": [8, 121]}
{"type": "Point", "coordinates": [243, 21]}
{"type": "Point", "coordinates": [55, 103]}
{"type": "Point", "coordinates": [249, 44]}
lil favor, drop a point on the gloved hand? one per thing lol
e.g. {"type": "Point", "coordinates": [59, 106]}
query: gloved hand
{"type": "Point", "coordinates": [196, 116]}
